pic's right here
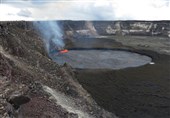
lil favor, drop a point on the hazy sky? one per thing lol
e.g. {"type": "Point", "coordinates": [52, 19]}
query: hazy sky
{"type": "Point", "coordinates": [84, 10]}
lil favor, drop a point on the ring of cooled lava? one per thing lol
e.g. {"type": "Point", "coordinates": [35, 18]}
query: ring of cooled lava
{"type": "Point", "coordinates": [101, 59]}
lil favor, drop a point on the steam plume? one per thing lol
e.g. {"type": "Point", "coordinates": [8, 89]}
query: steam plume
{"type": "Point", "coordinates": [90, 26]}
{"type": "Point", "coordinates": [51, 34]}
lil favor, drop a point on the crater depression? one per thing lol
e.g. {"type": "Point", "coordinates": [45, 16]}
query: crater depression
{"type": "Point", "coordinates": [101, 59]}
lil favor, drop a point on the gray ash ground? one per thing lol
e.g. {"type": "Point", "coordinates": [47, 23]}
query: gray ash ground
{"type": "Point", "coordinates": [138, 92]}
{"type": "Point", "coordinates": [102, 59]}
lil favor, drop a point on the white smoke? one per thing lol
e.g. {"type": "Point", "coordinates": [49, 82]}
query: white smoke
{"type": "Point", "coordinates": [51, 34]}
{"type": "Point", "coordinates": [89, 25]}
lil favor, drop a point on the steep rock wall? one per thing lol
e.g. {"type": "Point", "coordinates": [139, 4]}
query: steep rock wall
{"type": "Point", "coordinates": [145, 28]}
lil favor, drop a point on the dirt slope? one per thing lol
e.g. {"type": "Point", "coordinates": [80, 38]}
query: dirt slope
{"type": "Point", "coordinates": [32, 85]}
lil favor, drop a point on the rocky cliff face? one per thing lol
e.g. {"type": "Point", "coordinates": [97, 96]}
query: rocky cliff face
{"type": "Point", "coordinates": [145, 28]}
{"type": "Point", "coordinates": [32, 85]}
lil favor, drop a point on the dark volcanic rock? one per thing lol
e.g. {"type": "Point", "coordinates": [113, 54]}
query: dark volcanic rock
{"type": "Point", "coordinates": [17, 100]}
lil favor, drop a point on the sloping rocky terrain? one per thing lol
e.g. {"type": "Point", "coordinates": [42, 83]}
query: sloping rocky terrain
{"type": "Point", "coordinates": [32, 85]}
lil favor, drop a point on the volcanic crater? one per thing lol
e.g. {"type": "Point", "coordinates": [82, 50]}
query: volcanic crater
{"type": "Point", "coordinates": [125, 69]}
{"type": "Point", "coordinates": [101, 58]}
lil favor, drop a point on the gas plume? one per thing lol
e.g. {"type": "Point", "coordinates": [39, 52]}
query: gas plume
{"type": "Point", "coordinates": [51, 34]}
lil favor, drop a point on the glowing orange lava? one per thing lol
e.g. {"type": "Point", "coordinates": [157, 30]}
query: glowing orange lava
{"type": "Point", "coordinates": [64, 51]}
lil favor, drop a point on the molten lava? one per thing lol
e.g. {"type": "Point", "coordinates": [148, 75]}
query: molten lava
{"type": "Point", "coordinates": [64, 51]}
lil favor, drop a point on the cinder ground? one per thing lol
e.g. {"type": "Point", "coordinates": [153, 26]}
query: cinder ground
{"type": "Point", "coordinates": [140, 92]}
